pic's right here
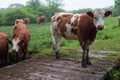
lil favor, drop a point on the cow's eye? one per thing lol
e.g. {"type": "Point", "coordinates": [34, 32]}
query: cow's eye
{"type": "Point", "coordinates": [19, 43]}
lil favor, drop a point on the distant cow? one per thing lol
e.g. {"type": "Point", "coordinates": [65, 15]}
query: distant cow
{"type": "Point", "coordinates": [81, 27]}
{"type": "Point", "coordinates": [18, 21]}
{"type": "Point", "coordinates": [20, 41]}
{"type": "Point", "coordinates": [26, 20]}
{"type": "Point", "coordinates": [3, 47]}
{"type": "Point", "coordinates": [41, 19]}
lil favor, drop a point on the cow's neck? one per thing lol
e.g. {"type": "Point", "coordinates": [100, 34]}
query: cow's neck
{"type": "Point", "coordinates": [90, 33]}
{"type": "Point", "coordinates": [93, 33]}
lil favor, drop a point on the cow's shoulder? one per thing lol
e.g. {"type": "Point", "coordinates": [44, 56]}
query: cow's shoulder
{"type": "Point", "coordinates": [61, 15]}
{"type": "Point", "coordinates": [85, 17]}
{"type": "Point", "coordinates": [85, 21]}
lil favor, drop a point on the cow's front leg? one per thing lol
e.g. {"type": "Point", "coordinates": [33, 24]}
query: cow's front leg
{"type": "Point", "coordinates": [83, 63]}
{"type": "Point", "coordinates": [85, 55]}
{"type": "Point", "coordinates": [6, 60]}
{"type": "Point", "coordinates": [24, 54]}
{"type": "Point", "coordinates": [88, 58]}
{"type": "Point", "coordinates": [17, 57]}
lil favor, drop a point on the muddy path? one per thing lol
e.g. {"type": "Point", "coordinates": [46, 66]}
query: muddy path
{"type": "Point", "coordinates": [48, 68]}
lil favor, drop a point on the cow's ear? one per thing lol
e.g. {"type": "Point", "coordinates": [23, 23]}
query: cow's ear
{"type": "Point", "coordinates": [89, 13]}
{"type": "Point", "coordinates": [107, 13]}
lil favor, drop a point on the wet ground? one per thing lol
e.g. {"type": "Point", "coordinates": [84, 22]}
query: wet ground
{"type": "Point", "coordinates": [48, 68]}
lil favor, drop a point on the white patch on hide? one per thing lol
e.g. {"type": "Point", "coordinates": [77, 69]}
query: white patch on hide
{"type": "Point", "coordinates": [15, 44]}
{"type": "Point", "coordinates": [68, 34]}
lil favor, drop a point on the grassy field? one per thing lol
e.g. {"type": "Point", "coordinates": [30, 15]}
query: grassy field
{"type": "Point", "coordinates": [41, 42]}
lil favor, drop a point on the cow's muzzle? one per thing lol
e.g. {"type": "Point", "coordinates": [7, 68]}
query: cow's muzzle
{"type": "Point", "coordinates": [14, 50]}
{"type": "Point", "coordinates": [100, 27]}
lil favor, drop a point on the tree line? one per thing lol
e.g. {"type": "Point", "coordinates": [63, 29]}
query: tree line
{"type": "Point", "coordinates": [35, 8]}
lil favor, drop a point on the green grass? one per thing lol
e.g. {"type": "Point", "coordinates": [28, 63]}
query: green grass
{"type": "Point", "coordinates": [114, 74]}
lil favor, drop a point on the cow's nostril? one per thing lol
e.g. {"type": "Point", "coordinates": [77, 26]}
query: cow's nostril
{"type": "Point", "coordinates": [100, 27]}
{"type": "Point", "coordinates": [14, 50]}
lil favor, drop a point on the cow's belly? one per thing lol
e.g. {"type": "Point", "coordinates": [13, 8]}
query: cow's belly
{"type": "Point", "coordinates": [69, 34]}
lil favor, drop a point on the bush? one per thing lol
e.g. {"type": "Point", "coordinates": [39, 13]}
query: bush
{"type": "Point", "coordinates": [114, 74]}
{"type": "Point", "coordinates": [8, 17]}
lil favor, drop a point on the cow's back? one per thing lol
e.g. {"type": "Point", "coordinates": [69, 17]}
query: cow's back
{"type": "Point", "coordinates": [23, 30]}
{"type": "Point", "coordinates": [3, 44]}
{"type": "Point", "coordinates": [65, 24]}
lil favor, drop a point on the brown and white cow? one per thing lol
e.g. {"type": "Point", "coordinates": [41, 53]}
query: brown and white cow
{"type": "Point", "coordinates": [4, 47]}
{"type": "Point", "coordinates": [20, 41]}
{"type": "Point", "coordinates": [81, 27]}
{"type": "Point", "coordinates": [26, 20]}
{"type": "Point", "coordinates": [41, 19]}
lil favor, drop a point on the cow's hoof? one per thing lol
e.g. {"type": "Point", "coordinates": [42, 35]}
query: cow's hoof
{"type": "Point", "coordinates": [89, 63]}
{"type": "Point", "coordinates": [84, 65]}
{"type": "Point", "coordinates": [57, 57]}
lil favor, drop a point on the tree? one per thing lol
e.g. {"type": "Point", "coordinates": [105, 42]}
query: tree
{"type": "Point", "coordinates": [2, 9]}
{"type": "Point", "coordinates": [54, 6]}
{"type": "Point", "coordinates": [8, 17]}
{"type": "Point", "coordinates": [81, 10]}
{"type": "Point", "coordinates": [16, 5]}
{"type": "Point", "coordinates": [33, 4]}
{"type": "Point", "coordinates": [47, 10]}
{"type": "Point", "coordinates": [117, 7]}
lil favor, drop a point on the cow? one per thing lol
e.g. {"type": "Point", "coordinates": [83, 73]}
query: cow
{"type": "Point", "coordinates": [18, 20]}
{"type": "Point", "coordinates": [41, 19]}
{"type": "Point", "coordinates": [26, 20]}
{"type": "Point", "coordinates": [80, 27]}
{"type": "Point", "coordinates": [4, 48]}
{"type": "Point", "coordinates": [20, 40]}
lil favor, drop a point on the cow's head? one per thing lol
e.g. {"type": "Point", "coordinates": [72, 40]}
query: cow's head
{"type": "Point", "coordinates": [98, 16]}
{"type": "Point", "coordinates": [18, 21]}
{"type": "Point", "coordinates": [26, 20]}
{"type": "Point", "coordinates": [16, 42]}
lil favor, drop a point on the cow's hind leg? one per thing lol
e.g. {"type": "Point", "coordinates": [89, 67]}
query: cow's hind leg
{"type": "Point", "coordinates": [56, 41]}
{"type": "Point", "coordinates": [56, 44]}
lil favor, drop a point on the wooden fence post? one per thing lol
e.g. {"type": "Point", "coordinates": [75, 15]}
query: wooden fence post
{"type": "Point", "coordinates": [119, 20]}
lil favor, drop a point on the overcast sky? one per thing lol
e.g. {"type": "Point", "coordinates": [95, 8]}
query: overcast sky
{"type": "Point", "coordinates": [68, 4]}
